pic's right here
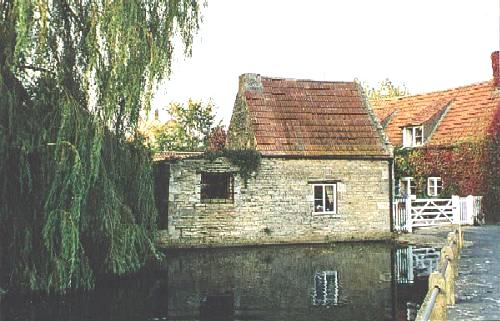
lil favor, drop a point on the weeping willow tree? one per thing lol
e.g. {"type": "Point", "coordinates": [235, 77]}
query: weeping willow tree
{"type": "Point", "coordinates": [76, 197]}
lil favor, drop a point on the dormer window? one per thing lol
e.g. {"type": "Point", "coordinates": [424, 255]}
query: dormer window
{"type": "Point", "coordinates": [413, 136]}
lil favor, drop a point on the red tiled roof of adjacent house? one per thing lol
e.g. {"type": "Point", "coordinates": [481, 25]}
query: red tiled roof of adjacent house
{"type": "Point", "coordinates": [469, 113]}
{"type": "Point", "coordinates": [293, 117]}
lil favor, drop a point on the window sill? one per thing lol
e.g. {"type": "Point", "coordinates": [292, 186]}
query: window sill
{"type": "Point", "coordinates": [416, 146]}
{"type": "Point", "coordinates": [217, 201]}
{"type": "Point", "coordinates": [333, 214]}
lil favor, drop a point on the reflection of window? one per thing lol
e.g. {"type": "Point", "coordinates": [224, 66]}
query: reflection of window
{"type": "Point", "coordinates": [325, 198]}
{"type": "Point", "coordinates": [217, 187]}
{"type": "Point", "coordinates": [434, 186]}
{"type": "Point", "coordinates": [326, 288]}
{"type": "Point", "coordinates": [407, 187]}
{"type": "Point", "coordinates": [413, 136]}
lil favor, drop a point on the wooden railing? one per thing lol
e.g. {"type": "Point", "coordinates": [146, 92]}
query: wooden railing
{"type": "Point", "coordinates": [441, 291]}
{"type": "Point", "coordinates": [409, 214]}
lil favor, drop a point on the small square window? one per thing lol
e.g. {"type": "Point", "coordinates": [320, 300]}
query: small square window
{"type": "Point", "coordinates": [413, 136]}
{"type": "Point", "coordinates": [325, 198]}
{"type": "Point", "coordinates": [217, 187]}
{"type": "Point", "coordinates": [434, 186]}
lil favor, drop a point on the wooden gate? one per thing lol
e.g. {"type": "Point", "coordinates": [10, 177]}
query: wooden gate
{"type": "Point", "coordinates": [409, 214]}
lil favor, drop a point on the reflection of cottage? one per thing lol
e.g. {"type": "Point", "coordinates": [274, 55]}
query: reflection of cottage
{"type": "Point", "coordinates": [455, 133]}
{"type": "Point", "coordinates": [325, 171]}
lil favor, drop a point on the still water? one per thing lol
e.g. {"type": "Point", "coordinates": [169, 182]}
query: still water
{"type": "Point", "coordinates": [347, 281]}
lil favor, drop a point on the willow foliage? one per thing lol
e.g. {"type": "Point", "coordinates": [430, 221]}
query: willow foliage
{"type": "Point", "coordinates": [76, 195]}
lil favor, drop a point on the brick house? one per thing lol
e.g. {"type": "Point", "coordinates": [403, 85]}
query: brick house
{"type": "Point", "coordinates": [450, 138]}
{"type": "Point", "coordinates": [324, 174]}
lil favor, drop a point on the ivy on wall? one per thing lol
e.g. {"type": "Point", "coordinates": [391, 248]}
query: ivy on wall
{"type": "Point", "coordinates": [468, 168]}
{"type": "Point", "coordinates": [247, 160]}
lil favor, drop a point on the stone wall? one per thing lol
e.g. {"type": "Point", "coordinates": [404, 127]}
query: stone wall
{"type": "Point", "coordinates": [276, 204]}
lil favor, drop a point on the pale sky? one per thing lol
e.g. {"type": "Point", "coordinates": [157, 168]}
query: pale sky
{"type": "Point", "coordinates": [427, 45]}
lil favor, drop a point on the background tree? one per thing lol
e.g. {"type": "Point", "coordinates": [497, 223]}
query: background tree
{"type": "Point", "coordinates": [384, 89]}
{"type": "Point", "coordinates": [76, 194]}
{"type": "Point", "coordinates": [188, 128]}
{"type": "Point", "coordinates": [217, 138]}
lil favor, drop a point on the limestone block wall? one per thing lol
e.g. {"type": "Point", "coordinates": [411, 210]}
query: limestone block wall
{"type": "Point", "coordinates": [276, 204]}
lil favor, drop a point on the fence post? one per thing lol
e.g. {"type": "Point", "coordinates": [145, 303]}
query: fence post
{"type": "Point", "coordinates": [455, 203]}
{"type": "Point", "coordinates": [409, 223]}
{"type": "Point", "coordinates": [459, 240]}
{"type": "Point", "coordinates": [448, 253]}
{"type": "Point", "coordinates": [440, 311]}
{"type": "Point", "coordinates": [470, 209]}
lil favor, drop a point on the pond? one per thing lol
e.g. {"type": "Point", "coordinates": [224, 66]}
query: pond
{"type": "Point", "coordinates": [345, 281]}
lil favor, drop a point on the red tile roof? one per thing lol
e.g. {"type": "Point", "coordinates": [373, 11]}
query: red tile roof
{"type": "Point", "coordinates": [291, 117]}
{"type": "Point", "coordinates": [469, 115]}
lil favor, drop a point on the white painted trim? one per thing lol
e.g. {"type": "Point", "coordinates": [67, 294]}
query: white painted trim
{"type": "Point", "coordinates": [434, 179]}
{"type": "Point", "coordinates": [411, 141]}
{"type": "Point", "coordinates": [334, 212]}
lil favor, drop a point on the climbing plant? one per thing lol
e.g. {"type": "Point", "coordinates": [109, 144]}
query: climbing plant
{"type": "Point", "coordinates": [76, 195]}
{"type": "Point", "coordinates": [470, 167]}
{"type": "Point", "coordinates": [247, 160]}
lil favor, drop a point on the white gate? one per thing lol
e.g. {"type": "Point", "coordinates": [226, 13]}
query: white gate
{"type": "Point", "coordinates": [409, 214]}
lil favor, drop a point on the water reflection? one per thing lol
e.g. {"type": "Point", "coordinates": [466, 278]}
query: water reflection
{"type": "Point", "coordinates": [337, 282]}
{"type": "Point", "coordinates": [414, 262]}
{"type": "Point", "coordinates": [412, 268]}
{"type": "Point", "coordinates": [326, 288]}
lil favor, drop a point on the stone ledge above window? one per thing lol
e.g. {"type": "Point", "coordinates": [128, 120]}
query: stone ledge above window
{"type": "Point", "coordinates": [323, 181]}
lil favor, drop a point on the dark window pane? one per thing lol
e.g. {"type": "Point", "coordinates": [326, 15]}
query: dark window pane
{"type": "Point", "coordinates": [216, 186]}
{"type": "Point", "coordinates": [318, 192]}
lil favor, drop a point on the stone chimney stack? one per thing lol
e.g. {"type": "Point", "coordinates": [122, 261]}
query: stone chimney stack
{"type": "Point", "coordinates": [250, 82]}
{"type": "Point", "coordinates": [495, 64]}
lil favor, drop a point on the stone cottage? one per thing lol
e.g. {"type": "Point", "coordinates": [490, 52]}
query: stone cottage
{"type": "Point", "coordinates": [450, 138]}
{"type": "Point", "coordinates": [325, 172]}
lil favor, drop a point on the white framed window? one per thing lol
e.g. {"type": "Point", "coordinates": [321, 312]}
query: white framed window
{"type": "Point", "coordinates": [325, 198]}
{"type": "Point", "coordinates": [413, 136]}
{"type": "Point", "coordinates": [434, 186]}
{"type": "Point", "coordinates": [408, 187]}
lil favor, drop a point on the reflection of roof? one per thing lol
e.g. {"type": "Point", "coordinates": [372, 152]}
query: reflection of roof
{"type": "Point", "coordinates": [469, 116]}
{"type": "Point", "coordinates": [293, 117]}
{"type": "Point", "coordinates": [172, 155]}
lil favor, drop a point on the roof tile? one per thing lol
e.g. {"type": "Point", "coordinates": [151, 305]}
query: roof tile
{"type": "Point", "coordinates": [469, 116]}
{"type": "Point", "coordinates": [293, 117]}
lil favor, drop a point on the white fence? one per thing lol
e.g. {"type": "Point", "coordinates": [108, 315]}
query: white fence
{"type": "Point", "coordinates": [409, 214]}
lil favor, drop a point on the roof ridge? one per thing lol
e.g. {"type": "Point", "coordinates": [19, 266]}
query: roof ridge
{"type": "Point", "coordinates": [474, 84]}
{"type": "Point", "coordinates": [305, 79]}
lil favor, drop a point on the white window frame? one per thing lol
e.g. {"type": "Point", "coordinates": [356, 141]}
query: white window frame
{"type": "Point", "coordinates": [409, 180]}
{"type": "Point", "coordinates": [411, 141]}
{"type": "Point", "coordinates": [432, 189]}
{"type": "Point", "coordinates": [323, 212]}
